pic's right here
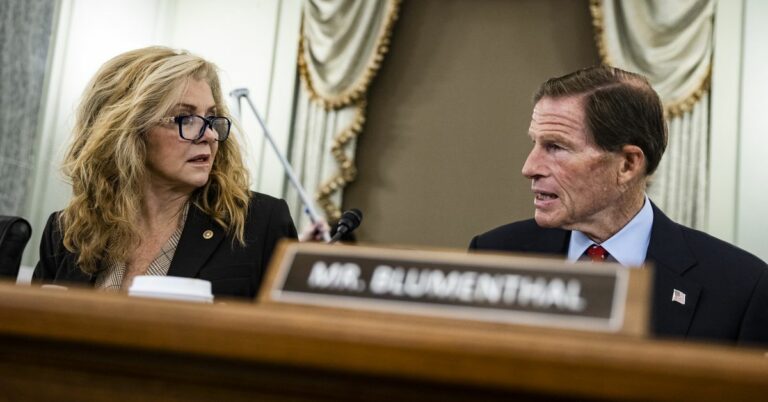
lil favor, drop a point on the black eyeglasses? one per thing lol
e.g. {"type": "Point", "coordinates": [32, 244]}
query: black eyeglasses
{"type": "Point", "coordinates": [192, 127]}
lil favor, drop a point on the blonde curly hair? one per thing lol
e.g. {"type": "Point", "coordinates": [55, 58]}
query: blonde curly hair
{"type": "Point", "coordinates": [106, 162]}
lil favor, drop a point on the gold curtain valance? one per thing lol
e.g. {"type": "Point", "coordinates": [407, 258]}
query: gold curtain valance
{"type": "Point", "coordinates": [670, 42]}
{"type": "Point", "coordinates": [341, 47]}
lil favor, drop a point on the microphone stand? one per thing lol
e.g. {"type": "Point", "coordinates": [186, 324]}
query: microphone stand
{"type": "Point", "coordinates": [309, 207]}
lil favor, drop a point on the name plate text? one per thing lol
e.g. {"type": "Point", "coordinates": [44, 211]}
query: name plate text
{"type": "Point", "coordinates": [518, 290]}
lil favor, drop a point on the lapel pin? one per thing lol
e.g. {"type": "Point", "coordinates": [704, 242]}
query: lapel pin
{"type": "Point", "coordinates": [678, 296]}
{"type": "Point", "coordinates": [209, 233]}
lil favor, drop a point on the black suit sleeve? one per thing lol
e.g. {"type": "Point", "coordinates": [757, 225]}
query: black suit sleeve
{"type": "Point", "coordinates": [473, 244]}
{"type": "Point", "coordinates": [279, 226]}
{"type": "Point", "coordinates": [50, 252]}
{"type": "Point", "coordinates": [754, 326]}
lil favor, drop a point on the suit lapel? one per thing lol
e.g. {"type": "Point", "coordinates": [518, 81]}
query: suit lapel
{"type": "Point", "coordinates": [669, 253]}
{"type": "Point", "coordinates": [196, 244]}
{"type": "Point", "coordinates": [549, 241]}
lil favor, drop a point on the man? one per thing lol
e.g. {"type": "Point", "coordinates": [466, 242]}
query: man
{"type": "Point", "coordinates": [598, 134]}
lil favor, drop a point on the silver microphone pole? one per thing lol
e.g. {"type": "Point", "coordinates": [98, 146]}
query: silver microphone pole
{"type": "Point", "coordinates": [309, 207]}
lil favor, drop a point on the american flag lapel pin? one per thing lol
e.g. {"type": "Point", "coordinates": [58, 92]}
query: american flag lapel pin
{"type": "Point", "coordinates": [678, 296]}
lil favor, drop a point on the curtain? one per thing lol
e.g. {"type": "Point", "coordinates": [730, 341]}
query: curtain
{"type": "Point", "coordinates": [25, 32]}
{"type": "Point", "coordinates": [342, 46]}
{"type": "Point", "coordinates": [671, 43]}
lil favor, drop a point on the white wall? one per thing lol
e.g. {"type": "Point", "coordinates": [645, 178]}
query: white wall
{"type": "Point", "coordinates": [738, 204]}
{"type": "Point", "coordinates": [254, 42]}
{"type": "Point", "coordinates": [724, 124]}
{"type": "Point", "coordinates": [752, 193]}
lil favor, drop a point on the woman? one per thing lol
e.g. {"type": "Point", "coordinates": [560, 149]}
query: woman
{"type": "Point", "coordinates": [159, 185]}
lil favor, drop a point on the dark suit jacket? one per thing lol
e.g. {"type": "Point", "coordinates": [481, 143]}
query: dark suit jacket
{"type": "Point", "coordinates": [233, 270]}
{"type": "Point", "coordinates": [726, 288]}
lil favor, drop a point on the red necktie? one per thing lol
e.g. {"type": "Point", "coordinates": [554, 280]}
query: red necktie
{"type": "Point", "coordinates": [597, 253]}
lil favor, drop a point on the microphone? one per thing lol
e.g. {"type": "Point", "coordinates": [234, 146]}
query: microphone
{"type": "Point", "coordinates": [349, 221]}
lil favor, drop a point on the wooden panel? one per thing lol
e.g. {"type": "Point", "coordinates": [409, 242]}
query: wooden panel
{"type": "Point", "coordinates": [89, 346]}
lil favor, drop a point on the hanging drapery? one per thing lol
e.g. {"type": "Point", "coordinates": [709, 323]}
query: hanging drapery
{"type": "Point", "coordinates": [25, 33]}
{"type": "Point", "coordinates": [342, 45]}
{"type": "Point", "coordinates": [670, 42]}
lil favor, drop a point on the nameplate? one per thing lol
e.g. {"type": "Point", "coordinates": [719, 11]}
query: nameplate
{"type": "Point", "coordinates": [509, 289]}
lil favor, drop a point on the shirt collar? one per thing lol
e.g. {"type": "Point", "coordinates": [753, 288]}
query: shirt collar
{"type": "Point", "coordinates": [629, 246]}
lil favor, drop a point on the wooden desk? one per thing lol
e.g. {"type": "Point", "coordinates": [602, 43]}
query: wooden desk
{"type": "Point", "coordinates": [81, 345]}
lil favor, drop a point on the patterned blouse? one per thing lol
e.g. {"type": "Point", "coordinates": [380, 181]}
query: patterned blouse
{"type": "Point", "coordinates": [111, 279]}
